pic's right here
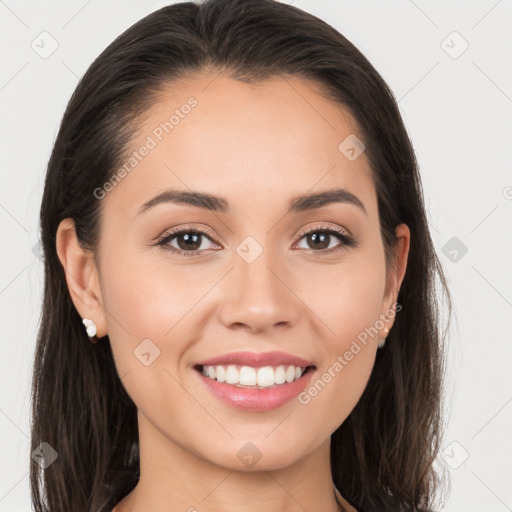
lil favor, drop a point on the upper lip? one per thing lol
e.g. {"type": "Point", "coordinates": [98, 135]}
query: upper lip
{"type": "Point", "coordinates": [257, 359]}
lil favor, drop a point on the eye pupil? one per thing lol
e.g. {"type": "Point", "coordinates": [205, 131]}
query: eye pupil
{"type": "Point", "coordinates": [319, 238]}
{"type": "Point", "coordinates": [191, 240]}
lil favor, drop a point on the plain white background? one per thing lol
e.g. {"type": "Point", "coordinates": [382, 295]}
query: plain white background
{"type": "Point", "coordinates": [449, 65]}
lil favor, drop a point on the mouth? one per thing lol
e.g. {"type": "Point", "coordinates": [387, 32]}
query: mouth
{"type": "Point", "coordinates": [239, 386]}
{"type": "Point", "coordinates": [249, 377]}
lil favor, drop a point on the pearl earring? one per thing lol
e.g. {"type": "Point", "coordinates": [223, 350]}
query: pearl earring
{"type": "Point", "coordinates": [382, 342]}
{"type": "Point", "coordinates": [90, 327]}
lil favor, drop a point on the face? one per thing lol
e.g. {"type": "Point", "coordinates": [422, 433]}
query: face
{"type": "Point", "coordinates": [244, 275]}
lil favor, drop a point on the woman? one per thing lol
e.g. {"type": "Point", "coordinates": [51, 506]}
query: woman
{"type": "Point", "coordinates": [233, 215]}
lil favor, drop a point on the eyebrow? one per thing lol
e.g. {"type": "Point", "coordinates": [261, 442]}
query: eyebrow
{"type": "Point", "coordinates": [301, 203]}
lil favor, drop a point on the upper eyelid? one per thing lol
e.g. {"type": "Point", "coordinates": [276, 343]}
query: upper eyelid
{"type": "Point", "coordinates": [185, 229]}
{"type": "Point", "coordinates": [326, 227]}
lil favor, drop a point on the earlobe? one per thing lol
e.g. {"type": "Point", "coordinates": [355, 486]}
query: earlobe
{"type": "Point", "coordinates": [81, 276]}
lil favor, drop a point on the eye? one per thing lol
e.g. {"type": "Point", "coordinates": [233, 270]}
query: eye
{"type": "Point", "coordinates": [320, 238]}
{"type": "Point", "coordinates": [188, 240]}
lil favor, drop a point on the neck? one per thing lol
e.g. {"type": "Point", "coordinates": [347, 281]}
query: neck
{"type": "Point", "coordinates": [172, 478]}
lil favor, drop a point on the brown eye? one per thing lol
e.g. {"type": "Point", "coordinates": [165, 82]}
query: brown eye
{"type": "Point", "coordinates": [189, 241]}
{"type": "Point", "coordinates": [319, 239]}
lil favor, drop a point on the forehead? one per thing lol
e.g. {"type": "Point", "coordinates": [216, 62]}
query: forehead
{"type": "Point", "coordinates": [267, 141]}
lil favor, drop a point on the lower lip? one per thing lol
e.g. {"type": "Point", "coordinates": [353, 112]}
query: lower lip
{"type": "Point", "coordinates": [257, 399]}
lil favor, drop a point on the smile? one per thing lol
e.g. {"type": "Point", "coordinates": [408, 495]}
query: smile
{"type": "Point", "coordinates": [255, 389]}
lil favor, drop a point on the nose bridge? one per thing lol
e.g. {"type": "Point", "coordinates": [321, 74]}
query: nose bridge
{"type": "Point", "coordinates": [258, 295]}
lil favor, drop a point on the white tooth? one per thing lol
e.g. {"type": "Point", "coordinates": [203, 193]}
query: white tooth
{"type": "Point", "coordinates": [221, 373]}
{"type": "Point", "coordinates": [279, 375]}
{"type": "Point", "coordinates": [247, 376]}
{"type": "Point", "coordinates": [266, 376]}
{"type": "Point", "coordinates": [290, 374]}
{"type": "Point", "coordinates": [253, 377]}
{"type": "Point", "coordinates": [232, 374]}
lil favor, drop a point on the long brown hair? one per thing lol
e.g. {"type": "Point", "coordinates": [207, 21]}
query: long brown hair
{"type": "Point", "coordinates": [382, 456]}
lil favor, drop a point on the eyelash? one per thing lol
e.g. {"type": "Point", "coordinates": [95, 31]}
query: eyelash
{"type": "Point", "coordinates": [348, 241]}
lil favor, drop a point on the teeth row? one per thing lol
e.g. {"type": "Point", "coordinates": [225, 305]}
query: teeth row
{"type": "Point", "coordinates": [248, 376]}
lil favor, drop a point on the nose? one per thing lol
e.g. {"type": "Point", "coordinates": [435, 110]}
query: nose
{"type": "Point", "coordinates": [259, 296]}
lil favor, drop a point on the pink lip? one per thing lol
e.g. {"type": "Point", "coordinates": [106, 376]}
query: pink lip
{"type": "Point", "coordinates": [257, 359]}
{"type": "Point", "coordinates": [254, 399]}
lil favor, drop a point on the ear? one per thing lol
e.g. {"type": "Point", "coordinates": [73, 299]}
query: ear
{"type": "Point", "coordinates": [81, 275]}
{"type": "Point", "coordinates": [396, 272]}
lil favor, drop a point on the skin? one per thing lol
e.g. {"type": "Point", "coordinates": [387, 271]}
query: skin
{"type": "Point", "coordinates": [257, 146]}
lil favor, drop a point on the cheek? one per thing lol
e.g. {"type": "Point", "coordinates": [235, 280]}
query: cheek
{"type": "Point", "coordinates": [148, 297]}
{"type": "Point", "coordinates": [348, 301]}
{"type": "Point", "coordinates": [346, 298]}
{"type": "Point", "coordinates": [349, 348]}
{"type": "Point", "coordinates": [151, 308]}
{"type": "Point", "coordinates": [147, 308]}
